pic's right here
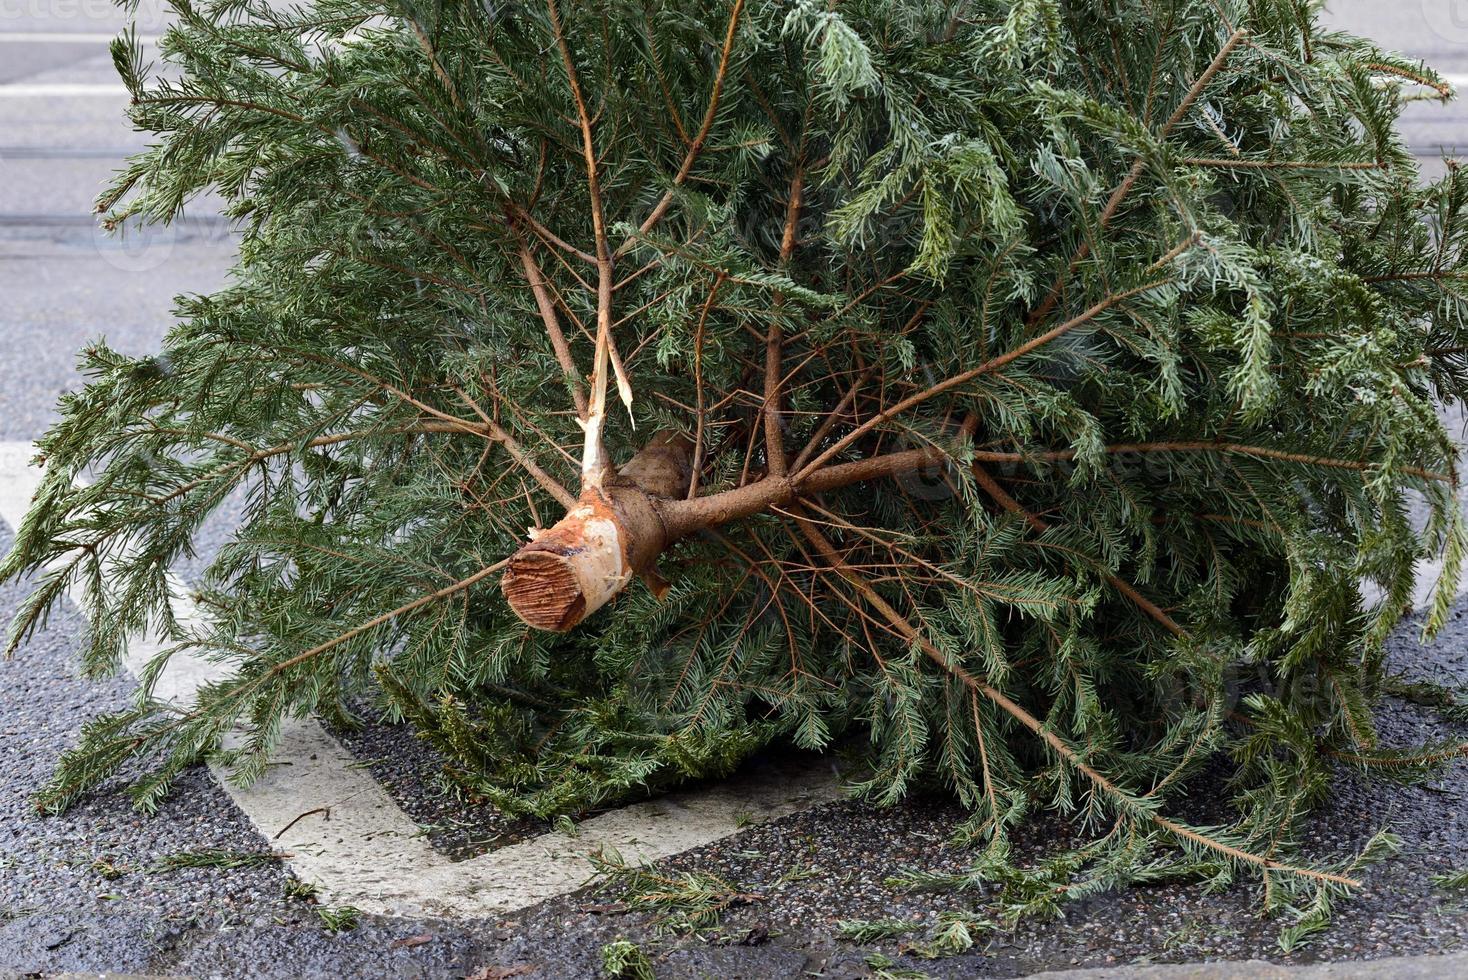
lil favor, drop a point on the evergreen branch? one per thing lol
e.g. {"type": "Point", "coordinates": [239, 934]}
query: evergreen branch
{"type": "Point", "coordinates": [982, 590]}
{"type": "Point", "coordinates": [176, 99]}
{"type": "Point", "coordinates": [704, 129]}
{"type": "Point", "coordinates": [488, 429]}
{"type": "Point", "coordinates": [832, 417]}
{"type": "Point", "coordinates": [1260, 452]}
{"type": "Point", "coordinates": [1244, 164]}
{"type": "Point", "coordinates": [684, 517]}
{"type": "Point", "coordinates": [963, 377]}
{"type": "Point", "coordinates": [1442, 88]}
{"type": "Point", "coordinates": [1002, 497]}
{"type": "Point", "coordinates": [1402, 761]}
{"type": "Point", "coordinates": [406, 608]}
{"type": "Point", "coordinates": [255, 456]}
{"type": "Point", "coordinates": [1043, 731]}
{"type": "Point", "coordinates": [1119, 196]}
{"type": "Point", "coordinates": [1456, 880]}
{"type": "Point", "coordinates": [1430, 274]}
{"type": "Point", "coordinates": [439, 72]}
{"type": "Point", "coordinates": [60, 790]}
{"type": "Point", "coordinates": [550, 237]}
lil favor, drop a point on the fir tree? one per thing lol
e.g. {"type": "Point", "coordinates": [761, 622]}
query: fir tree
{"type": "Point", "coordinates": [1029, 386]}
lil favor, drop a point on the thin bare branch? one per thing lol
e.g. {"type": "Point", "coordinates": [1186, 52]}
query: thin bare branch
{"type": "Point", "coordinates": [1002, 497]}
{"type": "Point", "coordinates": [1061, 748]}
{"type": "Point", "coordinates": [696, 465]}
{"type": "Point", "coordinates": [696, 147]}
{"type": "Point", "coordinates": [547, 309]}
{"type": "Point", "coordinates": [964, 377]}
{"type": "Point", "coordinates": [1242, 449]}
{"type": "Point", "coordinates": [594, 461]}
{"type": "Point", "coordinates": [774, 340]}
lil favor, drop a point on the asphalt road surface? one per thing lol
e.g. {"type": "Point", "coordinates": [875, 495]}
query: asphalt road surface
{"type": "Point", "coordinates": [93, 890]}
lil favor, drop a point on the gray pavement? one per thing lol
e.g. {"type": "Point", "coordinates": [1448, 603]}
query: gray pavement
{"type": "Point", "coordinates": [83, 892]}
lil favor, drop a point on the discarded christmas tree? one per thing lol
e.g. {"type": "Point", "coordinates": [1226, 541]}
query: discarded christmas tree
{"type": "Point", "coordinates": [1033, 387]}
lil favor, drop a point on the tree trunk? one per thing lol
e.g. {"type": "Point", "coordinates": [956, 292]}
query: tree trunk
{"type": "Point", "coordinates": [569, 571]}
{"type": "Point", "coordinates": [621, 524]}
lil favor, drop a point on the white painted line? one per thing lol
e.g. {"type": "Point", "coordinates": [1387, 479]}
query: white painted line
{"type": "Point", "coordinates": [363, 850]}
{"type": "Point", "coordinates": [523, 874]}
{"type": "Point", "coordinates": [62, 37]}
{"type": "Point", "coordinates": [62, 90]}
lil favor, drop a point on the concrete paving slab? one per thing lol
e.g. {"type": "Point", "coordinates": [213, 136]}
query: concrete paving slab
{"type": "Point", "coordinates": [1394, 968]}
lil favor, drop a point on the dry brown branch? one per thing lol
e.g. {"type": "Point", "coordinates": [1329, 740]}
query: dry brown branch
{"type": "Point", "coordinates": [696, 466]}
{"type": "Point", "coordinates": [1242, 449]}
{"type": "Point", "coordinates": [963, 377]}
{"type": "Point", "coordinates": [1002, 497]}
{"type": "Point", "coordinates": [696, 147]}
{"type": "Point", "coordinates": [774, 341]}
{"type": "Point", "coordinates": [553, 330]}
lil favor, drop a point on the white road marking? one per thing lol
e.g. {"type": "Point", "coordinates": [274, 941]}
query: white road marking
{"type": "Point", "coordinates": [62, 37]}
{"type": "Point", "coordinates": [62, 90]}
{"type": "Point", "coordinates": [346, 834]}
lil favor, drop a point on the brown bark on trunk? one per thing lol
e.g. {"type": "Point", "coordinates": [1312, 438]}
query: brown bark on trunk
{"type": "Point", "coordinates": [617, 531]}
{"type": "Point", "coordinates": [572, 569]}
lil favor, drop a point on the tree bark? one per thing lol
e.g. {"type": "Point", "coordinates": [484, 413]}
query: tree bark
{"type": "Point", "coordinates": [615, 531]}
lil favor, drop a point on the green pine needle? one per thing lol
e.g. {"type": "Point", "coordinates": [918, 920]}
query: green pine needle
{"type": "Point", "coordinates": [1112, 337]}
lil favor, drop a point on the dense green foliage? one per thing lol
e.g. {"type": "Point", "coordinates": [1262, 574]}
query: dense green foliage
{"type": "Point", "coordinates": [1157, 277]}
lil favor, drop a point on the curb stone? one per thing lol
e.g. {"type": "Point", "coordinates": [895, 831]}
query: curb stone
{"type": "Point", "coordinates": [1391, 968]}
